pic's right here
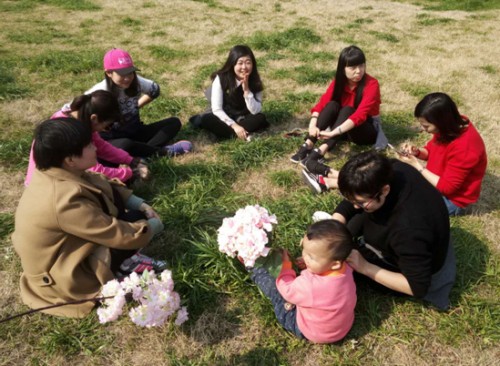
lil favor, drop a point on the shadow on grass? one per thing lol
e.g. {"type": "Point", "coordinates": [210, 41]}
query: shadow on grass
{"type": "Point", "coordinates": [488, 201]}
{"type": "Point", "coordinates": [472, 255]}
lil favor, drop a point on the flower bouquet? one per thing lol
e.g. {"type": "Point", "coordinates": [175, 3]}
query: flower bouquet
{"type": "Point", "coordinates": [246, 234]}
{"type": "Point", "coordinates": [156, 298]}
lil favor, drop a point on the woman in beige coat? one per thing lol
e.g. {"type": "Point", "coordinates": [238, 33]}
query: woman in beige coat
{"type": "Point", "coordinates": [67, 231]}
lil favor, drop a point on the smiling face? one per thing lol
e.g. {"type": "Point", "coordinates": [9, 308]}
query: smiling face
{"type": "Point", "coordinates": [243, 67]}
{"type": "Point", "coordinates": [121, 81]}
{"type": "Point", "coordinates": [355, 73]}
{"type": "Point", "coordinates": [427, 126]}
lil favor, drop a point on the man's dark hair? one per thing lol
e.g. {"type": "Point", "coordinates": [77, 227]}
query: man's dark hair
{"type": "Point", "coordinates": [364, 175]}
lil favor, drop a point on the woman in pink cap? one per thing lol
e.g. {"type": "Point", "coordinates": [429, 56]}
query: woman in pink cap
{"type": "Point", "coordinates": [133, 92]}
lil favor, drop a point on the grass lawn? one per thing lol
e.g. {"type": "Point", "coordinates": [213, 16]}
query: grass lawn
{"type": "Point", "coordinates": [51, 51]}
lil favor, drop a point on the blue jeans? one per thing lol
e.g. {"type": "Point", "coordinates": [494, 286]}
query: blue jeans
{"type": "Point", "coordinates": [267, 284]}
{"type": "Point", "coordinates": [453, 210]}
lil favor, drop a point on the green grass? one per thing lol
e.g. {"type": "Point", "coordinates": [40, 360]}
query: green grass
{"type": "Point", "coordinates": [44, 61]}
{"type": "Point", "coordinates": [290, 38]}
{"type": "Point", "coordinates": [467, 5]}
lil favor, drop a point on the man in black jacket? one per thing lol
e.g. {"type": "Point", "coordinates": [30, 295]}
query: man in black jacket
{"type": "Point", "coordinates": [402, 227]}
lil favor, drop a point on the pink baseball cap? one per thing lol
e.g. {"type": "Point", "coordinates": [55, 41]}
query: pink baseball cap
{"type": "Point", "coordinates": [118, 60]}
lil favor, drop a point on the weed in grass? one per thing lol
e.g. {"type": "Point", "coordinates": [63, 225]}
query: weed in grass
{"type": "Point", "coordinates": [209, 3]}
{"type": "Point", "coordinates": [428, 20]}
{"type": "Point", "coordinates": [284, 178]}
{"type": "Point", "coordinates": [130, 22]}
{"type": "Point", "coordinates": [384, 36]}
{"type": "Point", "coordinates": [397, 126]}
{"type": "Point", "coordinates": [244, 155]}
{"type": "Point", "coordinates": [165, 107]}
{"type": "Point", "coordinates": [14, 152]}
{"type": "Point", "coordinates": [149, 4]}
{"type": "Point", "coordinates": [277, 7]}
{"type": "Point", "coordinates": [356, 24]}
{"type": "Point", "coordinates": [285, 39]}
{"type": "Point", "coordinates": [489, 69]}
{"type": "Point", "coordinates": [166, 53]}
{"type": "Point", "coordinates": [56, 63]}
{"type": "Point", "coordinates": [417, 90]}
{"type": "Point", "coordinates": [278, 111]}
{"type": "Point", "coordinates": [307, 56]}
{"type": "Point", "coordinates": [9, 88]}
{"type": "Point", "coordinates": [202, 75]}
{"type": "Point", "coordinates": [303, 99]}
{"type": "Point", "coordinates": [47, 34]}
{"type": "Point", "coordinates": [74, 336]}
{"type": "Point", "coordinates": [309, 75]}
{"type": "Point", "coordinates": [273, 56]}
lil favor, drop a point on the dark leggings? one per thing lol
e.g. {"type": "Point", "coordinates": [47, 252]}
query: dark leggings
{"type": "Point", "coordinates": [250, 122]}
{"type": "Point", "coordinates": [150, 138]}
{"type": "Point", "coordinates": [333, 116]}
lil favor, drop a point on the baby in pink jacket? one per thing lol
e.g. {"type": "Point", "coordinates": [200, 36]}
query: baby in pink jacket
{"type": "Point", "coordinates": [319, 303]}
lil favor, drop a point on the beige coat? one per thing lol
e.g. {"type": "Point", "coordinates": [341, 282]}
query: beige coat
{"type": "Point", "coordinates": [63, 237]}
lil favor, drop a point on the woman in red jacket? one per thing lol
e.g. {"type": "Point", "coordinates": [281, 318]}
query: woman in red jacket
{"type": "Point", "coordinates": [348, 110]}
{"type": "Point", "coordinates": [456, 156]}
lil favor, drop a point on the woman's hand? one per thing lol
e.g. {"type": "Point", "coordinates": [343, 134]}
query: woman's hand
{"type": "Point", "coordinates": [239, 131]}
{"type": "Point", "coordinates": [409, 149]}
{"type": "Point", "coordinates": [324, 135]}
{"type": "Point", "coordinates": [410, 159]}
{"type": "Point", "coordinates": [314, 131]}
{"type": "Point", "coordinates": [244, 84]}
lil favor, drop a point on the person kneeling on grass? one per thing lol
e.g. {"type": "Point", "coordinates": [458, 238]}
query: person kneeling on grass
{"type": "Point", "coordinates": [75, 229]}
{"type": "Point", "coordinates": [401, 226]}
{"type": "Point", "coordinates": [319, 304]}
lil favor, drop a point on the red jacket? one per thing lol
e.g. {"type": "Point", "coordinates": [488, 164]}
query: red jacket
{"type": "Point", "coordinates": [460, 164]}
{"type": "Point", "coordinates": [369, 105]}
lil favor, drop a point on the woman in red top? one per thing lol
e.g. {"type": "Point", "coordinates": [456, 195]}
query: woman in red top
{"type": "Point", "coordinates": [345, 112]}
{"type": "Point", "coordinates": [456, 156]}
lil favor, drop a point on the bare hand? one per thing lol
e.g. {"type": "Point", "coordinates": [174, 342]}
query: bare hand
{"type": "Point", "coordinates": [324, 135]}
{"type": "Point", "coordinates": [299, 262]}
{"type": "Point", "coordinates": [143, 171]}
{"type": "Point", "coordinates": [239, 131]}
{"type": "Point", "coordinates": [149, 212]}
{"type": "Point", "coordinates": [409, 149]}
{"type": "Point", "coordinates": [244, 83]}
{"type": "Point", "coordinates": [314, 131]}
{"type": "Point", "coordinates": [356, 261]}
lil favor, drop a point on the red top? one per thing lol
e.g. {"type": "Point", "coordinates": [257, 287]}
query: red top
{"type": "Point", "coordinates": [369, 105]}
{"type": "Point", "coordinates": [460, 164]}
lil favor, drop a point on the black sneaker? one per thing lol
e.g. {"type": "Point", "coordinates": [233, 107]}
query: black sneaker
{"type": "Point", "coordinates": [300, 155]}
{"type": "Point", "coordinates": [314, 181]}
{"type": "Point", "coordinates": [316, 167]}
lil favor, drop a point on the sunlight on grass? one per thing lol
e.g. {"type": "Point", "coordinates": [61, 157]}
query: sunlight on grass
{"type": "Point", "coordinates": [52, 50]}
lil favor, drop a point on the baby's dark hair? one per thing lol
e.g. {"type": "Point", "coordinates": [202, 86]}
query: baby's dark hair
{"type": "Point", "coordinates": [59, 138]}
{"type": "Point", "coordinates": [334, 235]}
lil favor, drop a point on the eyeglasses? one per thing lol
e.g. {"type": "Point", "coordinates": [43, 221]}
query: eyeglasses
{"type": "Point", "coordinates": [365, 204]}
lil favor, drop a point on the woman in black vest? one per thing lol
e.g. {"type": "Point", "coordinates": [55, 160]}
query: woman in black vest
{"type": "Point", "coordinates": [235, 97]}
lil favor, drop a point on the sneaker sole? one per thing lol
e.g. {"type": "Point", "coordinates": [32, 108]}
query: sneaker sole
{"type": "Point", "coordinates": [311, 182]}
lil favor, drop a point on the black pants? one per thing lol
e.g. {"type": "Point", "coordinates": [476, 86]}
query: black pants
{"type": "Point", "coordinates": [333, 116]}
{"type": "Point", "coordinates": [251, 123]}
{"type": "Point", "coordinates": [150, 138]}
